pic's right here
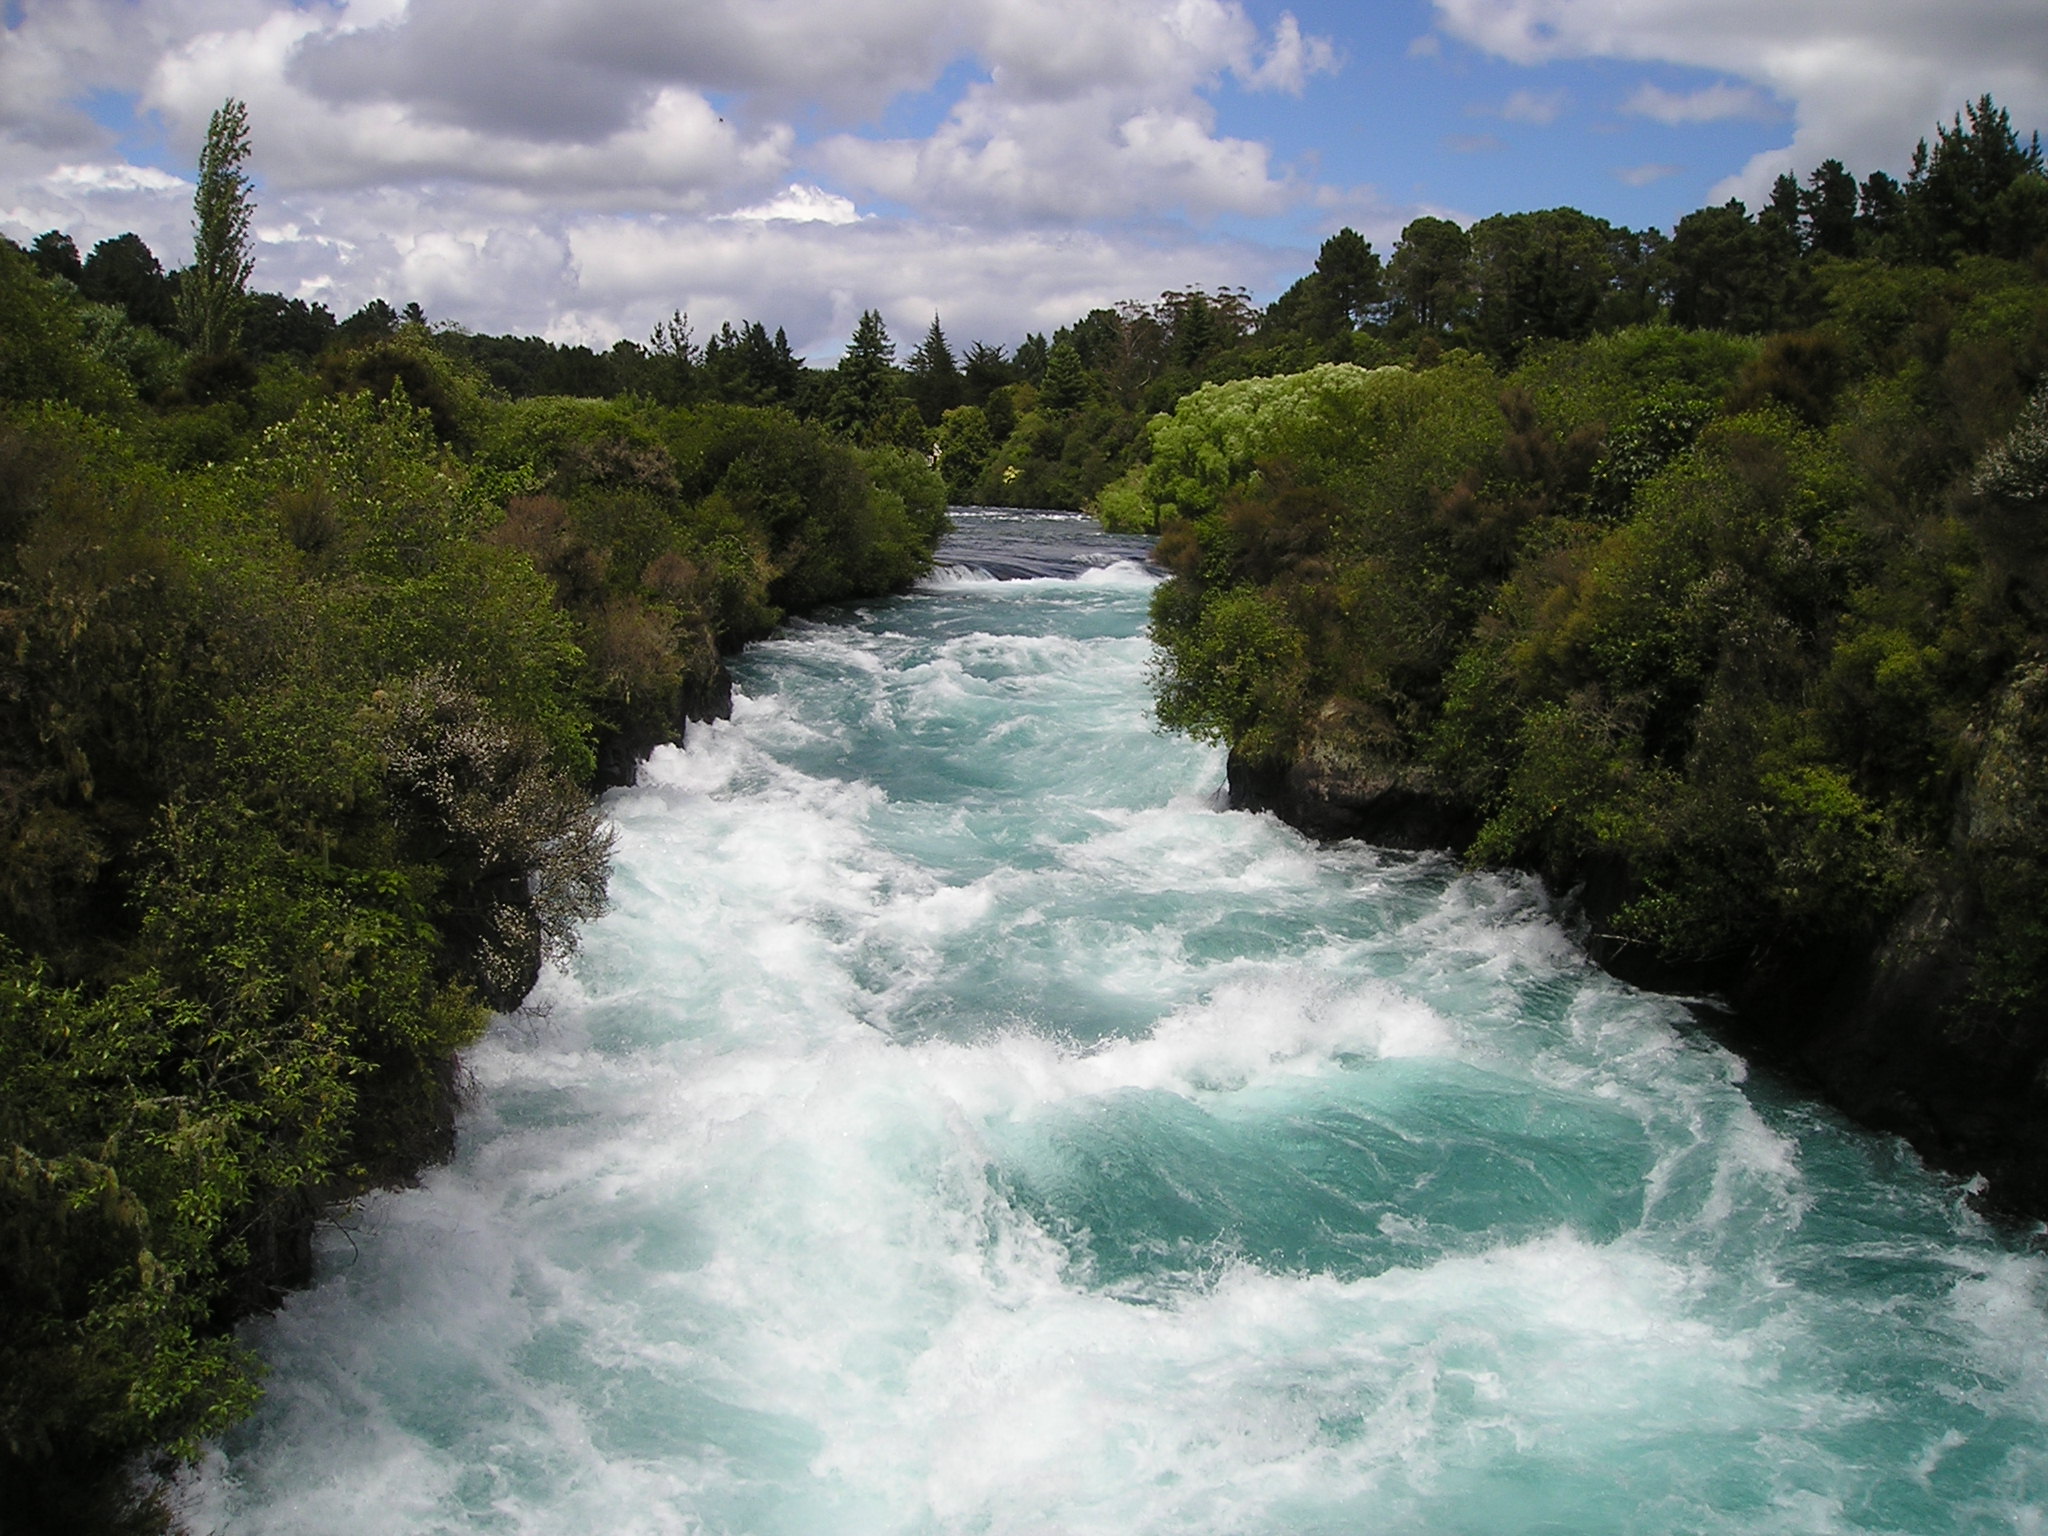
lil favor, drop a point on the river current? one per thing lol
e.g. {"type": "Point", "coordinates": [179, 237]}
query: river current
{"type": "Point", "coordinates": [961, 1124]}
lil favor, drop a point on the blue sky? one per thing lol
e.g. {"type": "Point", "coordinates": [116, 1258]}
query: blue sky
{"type": "Point", "coordinates": [579, 168]}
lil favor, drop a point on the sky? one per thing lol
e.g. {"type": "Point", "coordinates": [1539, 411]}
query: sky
{"type": "Point", "coordinates": [580, 169]}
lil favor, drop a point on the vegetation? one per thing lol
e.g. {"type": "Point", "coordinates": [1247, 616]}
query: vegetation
{"type": "Point", "coordinates": [1705, 572]}
{"type": "Point", "coordinates": [312, 647]}
{"type": "Point", "coordinates": [1709, 575]}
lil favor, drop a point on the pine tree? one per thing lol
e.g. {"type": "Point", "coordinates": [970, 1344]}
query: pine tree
{"type": "Point", "coordinates": [1065, 384]}
{"type": "Point", "coordinates": [211, 290]}
{"type": "Point", "coordinates": [934, 376]}
{"type": "Point", "coordinates": [866, 392]}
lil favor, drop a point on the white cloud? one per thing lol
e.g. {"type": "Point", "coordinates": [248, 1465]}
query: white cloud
{"type": "Point", "coordinates": [582, 167]}
{"type": "Point", "coordinates": [799, 204]}
{"type": "Point", "coordinates": [1292, 59]}
{"type": "Point", "coordinates": [1645, 175]}
{"type": "Point", "coordinates": [1864, 80]}
{"type": "Point", "coordinates": [1710, 104]}
{"type": "Point", "coordinates": [120, 177]}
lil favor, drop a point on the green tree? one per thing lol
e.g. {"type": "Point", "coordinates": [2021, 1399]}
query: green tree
{"type": "Point", "coordinates": [935, 383]}
{"type": "Point", "coordinates": [1978, 190]}
{"type": "Point", "coordinates": [1828, 206]}
{"type": "Point", "coordinates": [1065, 385]}
{"type": "Point", "coordinates": [211, 291]}
{"type": "Point", "coordinates": [124, 272]}
{"type": "Point", "coordinates": [867, 393]}
{"type": "Point", "coordinates": [56, 255]}
{"type": "Point", "coordinates": [1540, 277]}
{"type": "Point", "coordinates": [1349, 273]}
{"type": "Point", "coordinates": [1430, 275]}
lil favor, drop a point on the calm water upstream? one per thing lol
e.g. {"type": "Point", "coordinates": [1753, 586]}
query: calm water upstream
{"type": "Point", "coordinates": [960, 1125]}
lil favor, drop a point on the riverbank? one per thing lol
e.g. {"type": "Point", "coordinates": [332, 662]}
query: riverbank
{"type": "Point", "coordinates": [1871, 1027]}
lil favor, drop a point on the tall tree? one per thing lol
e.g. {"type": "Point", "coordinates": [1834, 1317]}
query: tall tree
{"type": "Point", "coordinates": [935, 383]}
{"type": "Point", "coordinates": [1430, 273]}
{"type": "Point", "coordinates": [985, 371]}
{"type": "Point", "coordinates": [1350, 277]}
{"type": "Point", "coordinates": [211, 291]}
{"type": "Point", "coordinates": [1065, 384]}
{"type": "Point", "coordinates": [1978, 191]}
{"type": "Point", "coordinates": [1829, 207]}
{"type": "Point", "coordinates": [56, 255]}
{"type": "Point", "coordinates": [866, 392]}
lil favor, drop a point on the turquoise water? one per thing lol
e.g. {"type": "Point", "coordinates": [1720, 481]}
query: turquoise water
{"type": "Point", "coordinates": [959, 1124]}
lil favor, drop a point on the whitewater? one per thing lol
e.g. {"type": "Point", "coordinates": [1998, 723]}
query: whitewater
{"type": "Point", "coordinates": [962, 1123]}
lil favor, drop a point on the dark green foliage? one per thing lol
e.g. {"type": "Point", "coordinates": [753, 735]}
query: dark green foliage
{"type": "Point", "coordinates": [124, 272]}
{"type": "Point", "coordinates": [1748, 633]}
{"type": "Point", "coordinates": [55, 254]}
{"type": "Point", "coordinates": [303, 690]}
{"type": "Point", "coordinates": [1979, 191]}
{"type": "Point", "coordinates": [867, 391]}
{"type": "Point", "coordinates": [273, 325]}
{"type": "Point", "coordinates": [934, 376]}
{"type": "Point", "coordinates": [1428, 276]}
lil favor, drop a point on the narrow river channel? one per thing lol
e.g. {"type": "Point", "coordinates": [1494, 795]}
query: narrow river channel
{"type": "Point", "coordinates": [960, 1124]}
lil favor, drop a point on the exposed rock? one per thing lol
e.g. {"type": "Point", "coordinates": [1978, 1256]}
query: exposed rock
{"type": "Point", "coordinates": [620, 753]}
{"type": "Point", "coordinates": [1329, 793]}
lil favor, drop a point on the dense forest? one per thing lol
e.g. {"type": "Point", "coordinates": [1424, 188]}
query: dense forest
{"type": "Point", "coordinates": [1707, 576]}
{"type": "Point", "coordinates": [313, 646]}
{"type": "Point", "coordinates": [1702, 572]}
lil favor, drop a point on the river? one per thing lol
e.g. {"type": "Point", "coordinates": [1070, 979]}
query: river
{"type": "Point", "coordinates": [961, 1124]}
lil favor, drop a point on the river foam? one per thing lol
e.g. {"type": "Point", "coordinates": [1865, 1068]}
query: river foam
{"type": "Point", "coordinates": [959, 1124]}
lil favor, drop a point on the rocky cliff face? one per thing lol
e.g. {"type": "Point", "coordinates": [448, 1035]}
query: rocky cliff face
{"type": "Point", "coordinates": [1930, 1030]}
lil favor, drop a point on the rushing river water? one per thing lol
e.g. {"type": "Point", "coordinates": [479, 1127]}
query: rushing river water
{"type": "Point", "coordinates": [959, 1124]}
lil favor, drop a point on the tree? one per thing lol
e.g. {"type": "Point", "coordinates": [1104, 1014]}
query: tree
{"type": "Point", "coordinates": [124, 272]}
{"type": "Point", "coordinates": [1725, 273]}
{"type": "Point", "coordinates": [1430, 274]}
{"type": "Point", "coordinates": [866, 393]}
{"type": "Point", "coordinates": [1540, 276]}
{"type": "Point", "coordinates": [1350, 278]}
{"type": "Point", "coordinates": [1978, 190]}
{"type": "Point", "coordinates": [1828, 206]}
{"type": "Point", "coordinates": [210, 293]}
{"type": "Point", "coordinates": [56, 255]}
{"type": "Point", "coordinates": [1030, 357]}
{"type": "Point", "coordinates": [985, 371]}
{"type": "Point", "coordinates": [1065, 385]}
{"type": "Point", "coordinates": [935, 383]}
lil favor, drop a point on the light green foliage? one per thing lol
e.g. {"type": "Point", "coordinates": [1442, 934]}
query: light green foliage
{"type": "Point", "coordinates": [1121, 506]}
{"type": "Point", "coordinates": [1381, 434]}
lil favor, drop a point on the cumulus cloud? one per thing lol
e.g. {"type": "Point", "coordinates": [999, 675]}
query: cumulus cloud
{"type": "Point", "coordinates": [582, 167]}
{"type": "Point", "coordinates": [1292, 59]}
{"type": "Point", "coordinates": [799, 204]}
{"type": "Point", "coordinates": [1092, 112]}
{"type": "Point", "coordinates": [1864, 81]}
